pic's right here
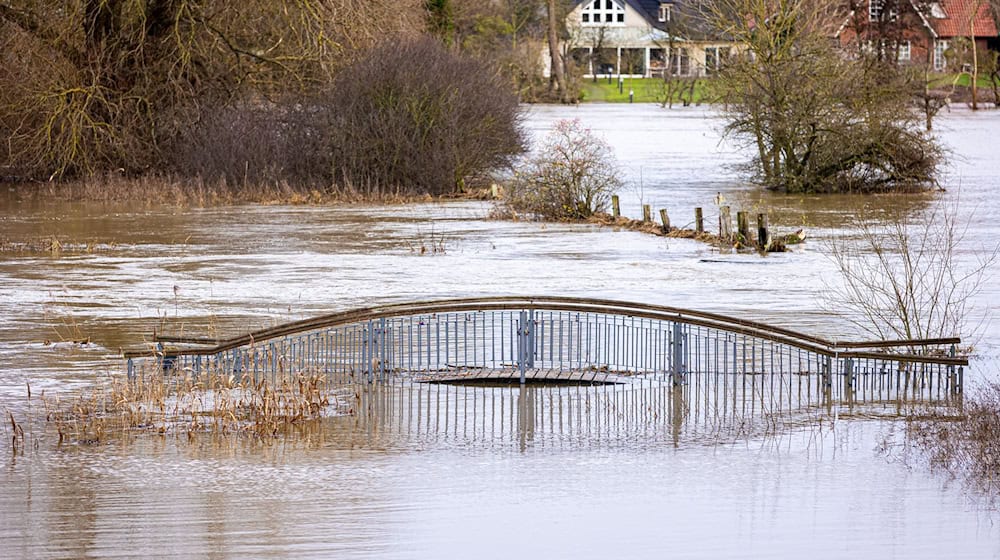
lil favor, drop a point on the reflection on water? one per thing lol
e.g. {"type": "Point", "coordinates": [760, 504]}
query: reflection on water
{"type": "Point", "coordinates": [703, 470]}
{"type": "Point", "coordinates": [638, 412]}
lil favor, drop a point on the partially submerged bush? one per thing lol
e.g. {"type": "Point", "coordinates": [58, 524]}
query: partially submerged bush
{"type": "Point", "coordinates": [967, 445]}
{"type": "Point", "coordinates": [417, 117]}
{"type": "Point", "coordinates": [571, 177]}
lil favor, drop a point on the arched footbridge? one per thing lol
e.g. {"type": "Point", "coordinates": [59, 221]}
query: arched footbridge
{"type": "Point", "coordinates": [550, 339]}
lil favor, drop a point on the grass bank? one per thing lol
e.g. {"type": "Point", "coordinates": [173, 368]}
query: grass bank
{"type": "Point", "coordinates": [646, 90]}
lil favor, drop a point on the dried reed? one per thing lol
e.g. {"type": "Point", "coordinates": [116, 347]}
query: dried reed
{"type": "Point", "coordinates": [180, 402]}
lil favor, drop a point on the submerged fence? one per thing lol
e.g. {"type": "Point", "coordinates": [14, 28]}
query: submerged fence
{"type": "Point", "coordinates": [532, 337]}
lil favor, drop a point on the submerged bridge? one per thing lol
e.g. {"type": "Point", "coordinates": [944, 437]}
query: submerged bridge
{"type": "Point", "coordinates": [547, 339]}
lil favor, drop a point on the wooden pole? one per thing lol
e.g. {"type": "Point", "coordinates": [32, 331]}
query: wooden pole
{"type": "Point", "coordinates": [646, 213]}
{"type": "Point", "coordinates": [615, 208]}
{"type": "Point", "coordinates": [725, 225]}
{"type": "Point", "coordinates": [763, 236]}
{"type": "Point", "coordinates": [699, 221]}
{"type": "Point", "coordinates": [665, 219]}
{"type": "Point", "coordinates": [743, 227]}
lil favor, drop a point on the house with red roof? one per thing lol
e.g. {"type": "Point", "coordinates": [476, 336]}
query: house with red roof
{"type": "Point", "coordinates": [920, 32]}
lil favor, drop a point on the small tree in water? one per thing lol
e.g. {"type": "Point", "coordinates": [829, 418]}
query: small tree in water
{"type": "Point", "coordinates": [909, 278]}
{"type": "Point", "coordinates": [818, 121]}
{"type": "Point", "coordinates": [571, 177]}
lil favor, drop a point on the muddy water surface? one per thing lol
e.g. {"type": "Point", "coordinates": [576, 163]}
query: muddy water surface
{"type": "Point", "coordinates": [350, 490]}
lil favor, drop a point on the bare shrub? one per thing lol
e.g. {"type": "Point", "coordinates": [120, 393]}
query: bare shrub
{"type": "Point", "coordinates": [417, 117]}
{"type": "Point", "coordinates": [904, 278]}
{"type": "Point", "coordinates": [245, 144]}
{"type": "Point", "coordinates": [571, 177]}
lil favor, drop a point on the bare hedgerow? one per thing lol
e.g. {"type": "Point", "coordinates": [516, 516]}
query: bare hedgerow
{"type": "Point", "coordinates": [571, 177]}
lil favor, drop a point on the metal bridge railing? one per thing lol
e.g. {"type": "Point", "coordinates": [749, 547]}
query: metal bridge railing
{"type": "Point", "coordinates": [564, 334]}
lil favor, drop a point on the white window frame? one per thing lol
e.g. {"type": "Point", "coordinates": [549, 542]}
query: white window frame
{"type": "Point", "coordinates": [875, 9]}
{"type": "Point", "coordinates": [665, 12]}
{"type": "Point", "coordinates": [600, 13]}
{"type": "Point", "coordinates": [904, 52]}
{"type": "Point", "coordinates": [677, 57]}
{"type": "Point", "coordinates": [940, 47]}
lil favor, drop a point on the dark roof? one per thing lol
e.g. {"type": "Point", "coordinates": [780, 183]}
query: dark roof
{"type": "Point", "coordinates": [689, 17]}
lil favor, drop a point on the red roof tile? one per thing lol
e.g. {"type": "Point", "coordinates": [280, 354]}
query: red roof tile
{"type": "Point", "coordinates": [961, 15]}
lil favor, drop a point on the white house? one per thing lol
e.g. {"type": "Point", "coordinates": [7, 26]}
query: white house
{"type": "Point", "coordinates": [642, 38]}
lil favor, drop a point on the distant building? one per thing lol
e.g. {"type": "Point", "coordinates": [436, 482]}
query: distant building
{"type": "Point", "coordinates": [642, 38]}
{"type": "Point", "coordinates": [920, 32]}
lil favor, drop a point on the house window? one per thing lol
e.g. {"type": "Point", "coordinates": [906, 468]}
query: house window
{"type": "Point", "coordinates": [875, 10]}
{"type": "Point", "coordinates": [715, 57]}
{"type": "Point", "coordinates": [680, 63]}
{"type": "Point", "coordinates": [603, 12]}
{"type": "Point", "coordinates": [903, 52]}
{"type": "Point", "coordinates": [940, 47]}
{"type": "Point", "coordinates": [665, 10]}
{"type": "Point", "coordinates": [937, 12]}
{"type": "Point", "coordinates": [877, 7]}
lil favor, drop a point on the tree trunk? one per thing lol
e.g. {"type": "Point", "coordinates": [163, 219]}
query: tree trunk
{"type": "Point", "coordinates": [554, 54]}
{"type": "Point", "coordinates": [975, 58]}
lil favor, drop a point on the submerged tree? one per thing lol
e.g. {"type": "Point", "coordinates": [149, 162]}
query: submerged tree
{"type": "Point", "coordinates": [818, 121]}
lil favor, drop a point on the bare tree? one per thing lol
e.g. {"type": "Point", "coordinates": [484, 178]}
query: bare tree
{"type": "Point", "coordinates": [558, 67]}
{"type": "Point", "coordinates": [905, 278]}
{"type": "Point", "coordinates": [94, 85]}
{"type": "Point", "coordinates": [818, 122]}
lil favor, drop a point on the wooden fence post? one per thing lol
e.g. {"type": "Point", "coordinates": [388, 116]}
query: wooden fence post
{"type": "Point", "coordinates": [699, 221]}
{"type": "Point", "coordinates": [725, 225]}
{"type": "Point", "coordinates": [665, 219]}
{"type": "Point", "coordinates": [743, 228]}
{"type": "Point", "coordinates": [763, 236]}
{"type": "Point", "coordinates": [615, 208]}
{"type": "Point", "coordinates": [646, 214]}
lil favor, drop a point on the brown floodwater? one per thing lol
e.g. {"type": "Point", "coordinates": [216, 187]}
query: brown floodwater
{"type": "Point", "coordinates": [515, 475]}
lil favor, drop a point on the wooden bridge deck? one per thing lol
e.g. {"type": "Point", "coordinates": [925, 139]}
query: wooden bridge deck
{"type": "Point", "coordinates": [534, 375]}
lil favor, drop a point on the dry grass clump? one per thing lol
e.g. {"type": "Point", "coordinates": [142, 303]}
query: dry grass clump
{"type": "Point", "coordinates": [966, 445]}
{"type": "Point", "coordinates": [180, 402]}
{"type": "Point", "coordinates": [162, 189]}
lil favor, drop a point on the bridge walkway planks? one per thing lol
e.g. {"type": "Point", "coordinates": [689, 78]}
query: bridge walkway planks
{"type": "Point", "coordinates": [533, 375]}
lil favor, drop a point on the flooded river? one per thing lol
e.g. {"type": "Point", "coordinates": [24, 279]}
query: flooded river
{"type": "Point", "coordinates": [514, 474]}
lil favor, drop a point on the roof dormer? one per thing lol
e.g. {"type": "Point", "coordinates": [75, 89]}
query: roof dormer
{"type": "Point", "coordinates": [666, 12]}
{"type": "Point", "coordinates": [603, 12]}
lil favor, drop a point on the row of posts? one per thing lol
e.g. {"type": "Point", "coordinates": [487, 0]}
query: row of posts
{"type": "Point", "coordinates": [742, 236]}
